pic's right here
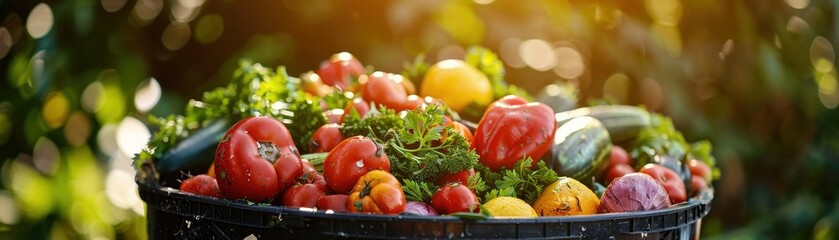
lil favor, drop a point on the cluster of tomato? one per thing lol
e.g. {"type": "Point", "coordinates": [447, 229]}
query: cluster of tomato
{"type": "Point", "coordinates": [620, 164]}
{"type": "Point", "coordinates": [257, 159]}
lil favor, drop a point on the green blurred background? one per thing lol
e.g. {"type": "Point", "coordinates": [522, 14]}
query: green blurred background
{"type": "Point", "coordinates": [756, 77]}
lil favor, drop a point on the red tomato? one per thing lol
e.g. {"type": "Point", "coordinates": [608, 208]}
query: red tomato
{"type": "Point", "coordinates": [463, 131]}
{"type": "Point", "coordinates": [512, 129]}
{"type": "Point", "coordinates": [334, 115]}
{"type": "Point", "coordinates": [617, 170]}
{"type": "Point", "coordinates": [385, 89]}
{"type": "Point", "coordinates": [412, 102]}
{"type": "Point", "coordinates": [357, 106]}
{"type": "Point", "coordinates": [697, 183]}
{"type": "Point", "coordinates": [377, 192]}
{"type": "Point", "coordinates": [257, 160]}
{"type": "Point", "coordinates": [312, 84]}
{"type": "Point", "coordinates": [340, 69]}
{"type": "Point", "coordinates": [699, 168]}
{"type": "Point", "coordinates": [306, 193]}
{"type": "Point", "coordinates": [326, 137]}
{"type": "Point", "coordinates": [307, 166]}
{"type": "Point", "coordinates": [669, 179]}
{"type": "Point", "coordinates": [351, 159]}
{"type": "Point", "coordinates": [455, 197]}
{"type": "Point", "coordinates": [461, 177]}
{"type": "Point", "coordinates": [619, 155]}
{"type": "Point", "coordinates": [334, 202]}
{"type": "Point", "coordinates": [201, 185]}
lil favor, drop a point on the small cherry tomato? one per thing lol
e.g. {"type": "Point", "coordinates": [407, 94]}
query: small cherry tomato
{"type": "Point", "coordinates": [201, 185]}
{"type": "Point", "coordinates": [461, 177]}
{"type": "Point", "coordinates": [455, 197]}
{"type": "Point", "coordinates": [351, 159]}
{"type": "Point", "coordinates": [334, 115]}
{"type": "Point", "coordinates": [617, 170]}
{"type": "Point", "coordinates": [619, 155]}
{"type": "Point", "coordinates": [334, 202]}
{"type": "Point", "coordinates": [306, 193]}
{"type": "Point", "coordinates": [412, 102]}
{"type": "Point", "coordinates": [385, 89]}
{"type": "Point", "coordinates": [699, 168]}
{"type": "Point", "coordinates": [326, 137]}
{"type": "Point", "coordinates": [340, 69]}
{"type": "Point", "coordinates": [697, 183]}
{"type": "Point", "coordinates": [377, 192]}
{"type": "Point", "coordinates": [669, 179]}
{"type": "Point", "coordinates": [357, 106]}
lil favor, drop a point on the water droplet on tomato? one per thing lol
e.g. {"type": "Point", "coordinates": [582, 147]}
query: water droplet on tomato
{"type": "Point", "coordinates": [359, 163]}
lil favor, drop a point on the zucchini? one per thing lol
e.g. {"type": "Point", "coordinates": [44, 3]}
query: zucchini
{"type": "Point", "coordinates": [579, 147]}
{"type": "Point", "coordinates": [622, 121]}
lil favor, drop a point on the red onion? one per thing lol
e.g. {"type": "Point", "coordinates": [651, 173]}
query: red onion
{"type": "Point", "coordinates": [633, 192]}
{"type": "Point", "coordinates": [419, 208]}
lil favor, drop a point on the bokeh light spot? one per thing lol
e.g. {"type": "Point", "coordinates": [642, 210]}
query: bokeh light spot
{"type": "Point", "coordinates": [175, 36]}
{"type": "Point", "coordinates": [569, 63]}
{"type": "Point", "coordinates": [120, 189]}
{"type": "Point", "coordinates": [617, 86]}
{"type": "Point", "coordinates": [132, 135]}
{"type": "Point", "coordinates": [56, 108]}
{"type": "Point", "coordinates": [665, 12]}
{"type": "Point", "coordinates": [484, 2]}
{"type": "Point", "coordinates": [78, 129]}
{"type": "Point", "coordinates": [92, 96]}
{"type": "Point", "coordinates": [822, 55]}
{"type": "Point", "coordinates": [46, 156]}
{"type": "Point", "coordinates": [146, 10]}
{"type": "Point", "coordinates": [192, 3]}
{"type": "Point", "coordinates": [509, 53]}
{"type": "Point", "coordinates": [40, 21]}
{"type": "Point", "coordinates": [113, 5]}
{"type": "Point", "coordinates": [828, 94]}
{"type": "Point", "coordinates": [798, 4]}
{"type": "Point", "coordinates": [727, 48]}
{"type": "Point", "coordinates": [184, 14]}
{"type": "Point", "coordinates": [797, 26]}
{"type": "Point", "coordinates": [538, 54]}
{"type": "Point", "coordinates": [106, 139]}
{"type": "Point", "coordinates": [147, 95]}
{"type": "Point", "coordinates": [10, 214]}
{"type": "Point", "coordinates": [33, 191]}
{"type": "Point", "coordinates": [209, 29]}
{"type": "Point", "coordinates": [5, 42]}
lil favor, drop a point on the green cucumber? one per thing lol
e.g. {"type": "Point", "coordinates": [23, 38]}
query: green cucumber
{"type": "Point", "coordinates": [579, 147]}
{"type": "Point", "coordinates": [622, 121]}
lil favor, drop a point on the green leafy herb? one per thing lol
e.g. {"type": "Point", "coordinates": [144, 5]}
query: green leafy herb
{"type": "Point", "coordinates": [421, 153]}
{"type": "Point", "coordinates": [527, 182]}
{"type": "Point", "coordinates": [377, 123]}
{"type": "Point", "coordinates": [418, 191]}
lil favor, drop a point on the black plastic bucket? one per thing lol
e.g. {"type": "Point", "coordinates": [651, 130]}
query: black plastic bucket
{"type": "Point", "coordinates": [176, 215]}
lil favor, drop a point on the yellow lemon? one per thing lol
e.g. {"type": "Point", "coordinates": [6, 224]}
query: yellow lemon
{"type": "Point", "coordinates": [509, 207]}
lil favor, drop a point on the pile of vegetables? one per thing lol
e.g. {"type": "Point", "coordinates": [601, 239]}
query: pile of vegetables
{"type": "Point", "coordinates": [350, 139]}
